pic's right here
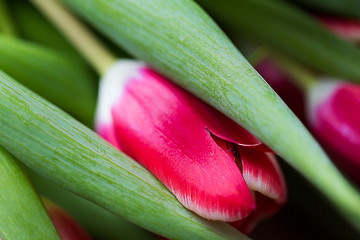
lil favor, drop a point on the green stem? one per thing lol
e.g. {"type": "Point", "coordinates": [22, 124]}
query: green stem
{"type": "Point", "coordinates": [6, 24]}
{"type": "Point", "coordinates": [58, 147]}
{"type": "Point", "coordinates": [22, 213]}
{"type": "Point", "coordinates": [258, 55]}
{"type": "Point", "coordinates": [300, 76]}
{"type": "Point", "coordinates": [85, 41]}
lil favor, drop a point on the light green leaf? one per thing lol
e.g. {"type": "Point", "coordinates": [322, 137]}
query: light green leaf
{"type": "Point", "coordinates": [22, 214]}
{"type": "Point", "coordinates": [58, 147]}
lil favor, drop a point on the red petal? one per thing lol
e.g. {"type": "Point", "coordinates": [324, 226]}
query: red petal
{"type": "Point", "coordinates": [336, 123]}
{"type": "Point", "coordinates": [262, 173]}
{"type": "Point", "coordinates": [226, 129]}
{"type": "Point", "coordinates": [157, 124]}
{"type": "Point", "coordinates": [107, 132]}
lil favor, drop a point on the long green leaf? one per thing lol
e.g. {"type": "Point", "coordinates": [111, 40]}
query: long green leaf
{"type": "Point", "coordinates": [291, 32]}
{"type": "Point", "coordinates": [32, 26]}
{"type": "Point", "coordinates": [98, 222]}
{"type": "Point", "coordinates": [22, 214]}
{"type": "Point", "coordinates": [181, 41]}
{"type": "Point", "coordinates": [65, 151]}
{"type": "Point", "coordinates": [60, 79]}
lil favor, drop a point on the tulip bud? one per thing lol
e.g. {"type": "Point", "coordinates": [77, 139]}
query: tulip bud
{"type": "Point", "coordinates": [334, 117]}
{"type": "Point", "coordinates": [213, 166]}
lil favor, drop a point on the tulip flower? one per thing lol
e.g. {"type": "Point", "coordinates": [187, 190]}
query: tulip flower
{"type": "Point", "coordinates": [332, 114]}
{"type": "Point", "coordinates": [334, 118]}
{"type": "Point", "coordinates": [212, 165]}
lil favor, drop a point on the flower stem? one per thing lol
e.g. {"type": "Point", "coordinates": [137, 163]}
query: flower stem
{"type": "Point", "coordinates": [84, 40]}
{"type": "Point", "coordinates": [22, 214]}
{"type": "Point", "coordinates": [301, 77]}
{"type": "Point", "coordinates": [258, 55]}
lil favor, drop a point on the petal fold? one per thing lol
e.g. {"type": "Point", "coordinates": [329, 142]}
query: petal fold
{"type": "Point", "coordinates": [262, 174]}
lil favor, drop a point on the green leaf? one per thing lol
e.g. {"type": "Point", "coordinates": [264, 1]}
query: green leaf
{"type": "Point", "coordinates": [98, 222]}
{"type": "Point", "coordinates": [22, 214]}
{"type": "Point", "coordinates": [291, 32]}
{"type": "Point", "coordinates": [60, 79]}
{"type": "Point", "coordinates": [31, 25]}
{"type": "Point", "coordinates": [179, 40]}
{"type": "Point", "coordinates": [56, 146]}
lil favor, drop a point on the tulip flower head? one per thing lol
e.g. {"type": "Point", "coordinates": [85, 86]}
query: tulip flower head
{"type": "Point", "coordinates": [213, 166]}
{"type": "Point", "coordinates": [334, 117]}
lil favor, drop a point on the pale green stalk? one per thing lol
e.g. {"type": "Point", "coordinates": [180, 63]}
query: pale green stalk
{"type": "Point", "coordinates": [65, 151]}
{"type": "Point", "coordinates": [22, 213]}
{"type": "Point", "coordinates": [299, 76]}
{"type": "Point", "coordinates": [258, 55]}
{"type": "Point", "coordinates": [85, 42]}
{"type": "Point", "coordinates": [179, 40]}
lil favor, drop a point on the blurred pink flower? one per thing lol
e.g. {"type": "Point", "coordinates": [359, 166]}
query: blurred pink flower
{"type": "Point", "coordinates": [334, 109]}
{"type": "Point", "coordinates": [213, 166]}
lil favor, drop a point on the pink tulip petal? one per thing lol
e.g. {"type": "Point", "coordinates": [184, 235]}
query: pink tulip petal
{"type": "Point", "coordinates": [158, 125]}
{"type": "Point", "coordinates": [262, 173]}
{"type": "Point", "coordinates": [225, 128]}
{"type": "Point", "coordinates": [107, 132]}
{"type": "Point", "coordinates": [110, 89]}
{"type": "Point", "coordinates": [336, 123]}
{"type": "Point", "coordinates": [263, 176]}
